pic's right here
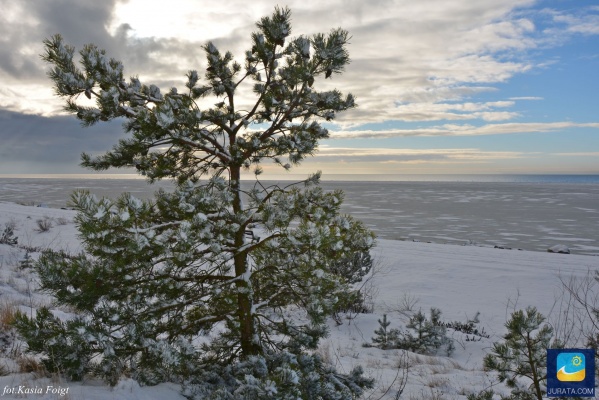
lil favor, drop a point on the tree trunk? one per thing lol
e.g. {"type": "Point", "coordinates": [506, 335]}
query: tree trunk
{"type": "Point", "coordinates": [247, 331]}
{"type": "Point", "coordinates": [533, 366]}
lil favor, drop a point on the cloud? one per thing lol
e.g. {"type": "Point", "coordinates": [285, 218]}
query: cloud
{"type": "Point", "coordinates": [25, 24]}
{"type": "Point", "coordinates": [526, 98]}
{"type": "Point", "coordinates": [454, 111]}
{"type": "Point", "coordinates": [585, 24]}
{"type": "Point", "coordinates": [429, 52]}
{"type": "Point", "coordinates": [462, 130]}
{"type": "Point", "coordinates": [421, 55]}
{"type": "Point", "coordinates": [563, 25]}
{"type": "Point", "coordinates": [578, 154]}
{"type": "Point", "coordinates": [411, 156]}
{"type": "Point", "coordinates": [36, 144]}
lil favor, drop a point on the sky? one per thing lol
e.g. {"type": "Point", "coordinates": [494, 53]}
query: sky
{"type": "Point", "coordinates": [442, 86]}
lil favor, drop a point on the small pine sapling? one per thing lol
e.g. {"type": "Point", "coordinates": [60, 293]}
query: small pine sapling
{"type": "Point", "coordinates": [523, 355]}
{"type": "Point", "coordinates": [26, 261]}
{"type": "Point", "coordinates": [385, 338]}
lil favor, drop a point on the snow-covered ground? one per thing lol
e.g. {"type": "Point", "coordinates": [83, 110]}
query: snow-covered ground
{"type": "Point", "coordinates": [459, 280]}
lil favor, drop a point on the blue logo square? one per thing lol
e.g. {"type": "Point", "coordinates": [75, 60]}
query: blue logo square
{"type": "Point", "coordinates": [571, 373]}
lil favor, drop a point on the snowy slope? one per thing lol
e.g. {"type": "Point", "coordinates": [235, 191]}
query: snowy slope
{"type": "Point", "coordinates": [459, 280]}
{"type": "Point", "coordinates": [464, 279]}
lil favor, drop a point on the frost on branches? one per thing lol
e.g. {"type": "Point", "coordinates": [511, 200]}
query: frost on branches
{"type": "Point", "coordinates": [227, 296]}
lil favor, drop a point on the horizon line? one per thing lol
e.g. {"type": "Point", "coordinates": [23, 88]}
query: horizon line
{"type": "Point", "coordinates": [265, 177]}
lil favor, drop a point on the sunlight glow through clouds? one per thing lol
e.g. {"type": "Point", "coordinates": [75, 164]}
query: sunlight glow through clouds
{"type": "Point", "coordinates": [189, 20]}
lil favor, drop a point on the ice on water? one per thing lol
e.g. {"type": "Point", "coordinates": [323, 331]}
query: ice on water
{"type": "Point", "coordinates": [518, 215]}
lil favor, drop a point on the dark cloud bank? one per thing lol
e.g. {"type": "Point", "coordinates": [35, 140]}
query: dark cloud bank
{"type": "Point", "coordinates": [38, 144]}
{"type": "Point", "coordinates": [47, 145]}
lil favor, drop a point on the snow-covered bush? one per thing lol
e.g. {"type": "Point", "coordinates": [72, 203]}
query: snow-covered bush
{"type": "Point", "coordinates": [65, 347]}
{"type": "Point", "coordinates": [484, 395]}
{"type": "Point", "coordinates": [470, 327]}
{"type": "Point", "coordinates": [43, 225]}
{"type": "Point", "coordinates": [157, 277]}
{"type": "Point", "coordinates": [425, 335]}
{"type": "Point", "coordinates": [275, 375]}
{"type": "Point", "coordinates": [8, 312]}
{"type": "Point", "coordinates": [351, 302]}
{"type": "Point", "coordinates": [8, 235]}
{"type": "Point", "coordinates": [353, 267]}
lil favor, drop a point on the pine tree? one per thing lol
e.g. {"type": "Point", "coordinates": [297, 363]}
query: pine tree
{"type": "Point", "coordinates": [157, 277]}
{"type": "Point", "coordinates": [385, 338]}
{"type": "Point", "coordinates": [523, 354]}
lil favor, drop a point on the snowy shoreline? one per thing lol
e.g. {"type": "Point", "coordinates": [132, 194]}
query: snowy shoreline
{"type": "Point", "coordinates": [459, 280]}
